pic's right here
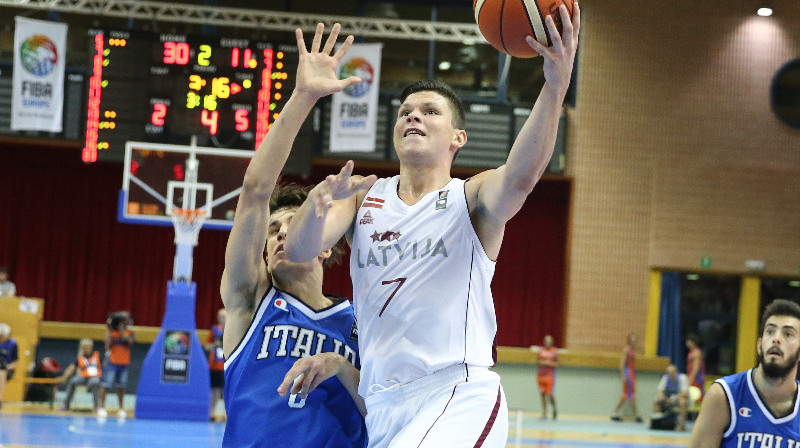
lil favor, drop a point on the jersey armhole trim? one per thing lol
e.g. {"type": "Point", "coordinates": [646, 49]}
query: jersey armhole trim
{"type": "Point", "coordinates": [731, 408]}
{"type": "Point", "coordinates": [466, 221]}
{"type": "Point", "coordinates": [271, 291]}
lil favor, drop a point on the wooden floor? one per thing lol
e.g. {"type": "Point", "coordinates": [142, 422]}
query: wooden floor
{"type": "Point", "coordinates": [36, 426]}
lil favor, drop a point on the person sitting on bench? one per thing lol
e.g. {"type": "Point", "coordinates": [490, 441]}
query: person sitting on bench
{"type": "Point", "coordinates": [673, 391]}
{"type": "Point", "coordinates": [88, 372]}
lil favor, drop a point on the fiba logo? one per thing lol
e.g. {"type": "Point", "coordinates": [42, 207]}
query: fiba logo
{"type": "Point", "coordinates": [360, 67]}
{"type": "Point", "coordinates": [745, 412]}
{"type": "Point", "coordinates": [39, 55]}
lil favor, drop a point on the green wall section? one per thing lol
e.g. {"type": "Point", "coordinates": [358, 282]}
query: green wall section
{"type": "Point", "coordinates": [578, 391]}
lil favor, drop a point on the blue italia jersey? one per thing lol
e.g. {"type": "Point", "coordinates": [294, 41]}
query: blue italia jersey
{"type": "Point", "coordinates": [283, 330]}
{"type": "Point", "coordinates": [752, 423]}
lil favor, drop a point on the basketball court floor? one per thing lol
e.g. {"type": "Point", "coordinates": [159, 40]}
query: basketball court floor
{"type": "Point", "coordinates": [35, 426]}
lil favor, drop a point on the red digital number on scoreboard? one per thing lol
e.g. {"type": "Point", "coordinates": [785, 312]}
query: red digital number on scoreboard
{"type": "Point", "coordinates": [210, 118]}
{"type": "Point", "coordinates": [159, 112]}
{"type": "Point", "coordinates": [176, 53]}
{"type": "Point", "coordinates": [247, 59]}
{"type": "Point", "coordinates": [242, 122]}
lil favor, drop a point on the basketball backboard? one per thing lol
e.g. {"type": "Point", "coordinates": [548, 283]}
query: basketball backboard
{"type": "Point", "coordinates": [159, 178]}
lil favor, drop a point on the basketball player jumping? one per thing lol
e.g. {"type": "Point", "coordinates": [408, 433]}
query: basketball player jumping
{"type": "Point", "coordinates": [276, 311]}
{"type": "Point", "coordinates": [423, 251]}
{"type": "Point", "coordinates": [758, 407]}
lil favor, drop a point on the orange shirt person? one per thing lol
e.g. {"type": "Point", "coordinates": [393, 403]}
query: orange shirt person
{"type": "Point", "coordinates": [119, 341]}
{"type": "Point", "coordinates": [87, 368]}
{"type": "Point", "coordinates": [546, 375]}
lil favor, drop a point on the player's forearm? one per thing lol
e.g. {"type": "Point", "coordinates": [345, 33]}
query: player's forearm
{"type": "Point", "coordinates": [305, 235]}
{"type": "Point", "coordinates": [534, 145]}
{"type": "Point", "coordinates": [268, 161]}
{"type": "Point", "coordinates": [349, 376]}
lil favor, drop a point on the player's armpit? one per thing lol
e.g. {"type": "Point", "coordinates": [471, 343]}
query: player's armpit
{"type": "Point", "coordinates": [712, 421]}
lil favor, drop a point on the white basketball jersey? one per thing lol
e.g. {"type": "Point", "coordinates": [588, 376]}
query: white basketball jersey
{"type": "Point", "coordinates": [421, 286]}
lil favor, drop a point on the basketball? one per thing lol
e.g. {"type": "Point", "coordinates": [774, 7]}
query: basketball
{"type": "Point", "coordinates": [506, 23]}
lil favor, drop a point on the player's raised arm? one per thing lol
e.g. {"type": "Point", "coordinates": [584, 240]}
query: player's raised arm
{"type": "Point", "coordinates": [713, 420]}
{"type": "Point", "coordinates": [503, 191]}
{"type": "Point", "coordinates": [244, 265]}
{"type": "Point", "coordinates": [326, 215]}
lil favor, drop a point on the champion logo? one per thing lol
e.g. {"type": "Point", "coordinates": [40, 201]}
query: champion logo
{"type": "Point", "coordinates": [366, 219]}
{"type": "Point", "coordinates": [280, 303]}
{"type": "Point", "coordinates": [745, 412]}
{"type": "Point", "coordinates": [373, 202]}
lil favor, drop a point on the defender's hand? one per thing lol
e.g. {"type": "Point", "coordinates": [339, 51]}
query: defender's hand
{"type": "Point", "coordinates": [307, 373]}
{"type": "Point", "coordinates": [316, 71]}
{"type": "Point", "coordinates": [340, 186]}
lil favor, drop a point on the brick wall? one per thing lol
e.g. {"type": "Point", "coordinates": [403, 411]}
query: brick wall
{"type": "Point", "coordinates": [676, 154]}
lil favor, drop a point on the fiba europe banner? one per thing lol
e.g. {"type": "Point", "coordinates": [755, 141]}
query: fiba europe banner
{"type": "Point", "coordinates": [354, 111]}
{"type": "Point", "coordinates": [37, 98]}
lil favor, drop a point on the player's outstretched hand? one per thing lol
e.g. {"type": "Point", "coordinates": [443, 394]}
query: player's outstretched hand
{"type": "Point", "coordinates": [316, 71]}
{"type": "Point", "coordinates": [340, 186]}
{"type": "Point", "coordinates": [307, 373]}
{"type": "Point", "coordinates": [560, 57]}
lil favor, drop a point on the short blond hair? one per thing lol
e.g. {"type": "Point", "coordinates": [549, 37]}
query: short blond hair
{"type": "Point", "coordinates": [5, 329]}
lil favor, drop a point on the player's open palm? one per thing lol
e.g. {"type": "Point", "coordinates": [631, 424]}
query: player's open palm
{"type": "Point", "coordinates": [340, 186]}
{"type": "Point", "coordinates": [316, 71]}
{"type": "Point", "coordinates": [560, 57]}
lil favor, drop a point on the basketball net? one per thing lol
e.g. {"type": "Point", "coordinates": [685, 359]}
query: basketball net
{"type": "Point", "coordinates": [187, 223]}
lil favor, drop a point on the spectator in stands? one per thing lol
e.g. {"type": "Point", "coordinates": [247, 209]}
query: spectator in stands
{"type": "Point", "coordinates": [118, 342]}
{"type": "Point", "coordinates": [87, 370]}
{"type": "Point", "coordinates": [216, 360]}
{"type": "Point", "coordinates": [673, 391]}
{"type": "Point", "coordinates": [8, 356]}
{"type": "Point", "coordinates": [7, 287]}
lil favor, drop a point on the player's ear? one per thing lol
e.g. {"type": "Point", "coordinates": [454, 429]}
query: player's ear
{"type": "Point", "coordinates": [758, 346]}
{"type": "Point", "coordinates": [459, 139]}
{"type": "Point", "coordinates": [324, 255]}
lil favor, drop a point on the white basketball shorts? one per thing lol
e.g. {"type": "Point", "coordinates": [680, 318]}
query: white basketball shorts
{"type": "Point", "coordinates": [457, 407]}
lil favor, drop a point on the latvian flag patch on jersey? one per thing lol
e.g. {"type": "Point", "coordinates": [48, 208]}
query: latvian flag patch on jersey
{"type": "Point", "coordinates": [373, 202]}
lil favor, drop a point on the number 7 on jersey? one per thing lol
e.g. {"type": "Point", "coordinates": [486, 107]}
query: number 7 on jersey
{"type": "Point", "coordinates": [399, 281]}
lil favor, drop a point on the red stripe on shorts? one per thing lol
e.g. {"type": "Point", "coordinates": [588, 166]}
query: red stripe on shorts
{"type": "Point", "coordinates": [490, 423]}
{"type": "Point", "coordinates": [437, 418]}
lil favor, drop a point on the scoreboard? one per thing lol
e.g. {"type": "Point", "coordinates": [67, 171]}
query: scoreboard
{"type": "Point", "coordinates": [167, 88]}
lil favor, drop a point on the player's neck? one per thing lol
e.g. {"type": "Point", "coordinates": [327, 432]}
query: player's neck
{"type": "Point", "coordinates": [306, 286]}
{"type": "Point", "coordinates": [775, 391]}
{"type": "Point", "coordinates": [417, 181]}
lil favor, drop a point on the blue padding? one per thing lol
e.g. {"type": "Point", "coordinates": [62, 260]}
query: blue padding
{"type": "Point", "coordinates": [174, 382]}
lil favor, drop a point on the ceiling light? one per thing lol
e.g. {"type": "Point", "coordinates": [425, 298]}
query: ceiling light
{"type": "Point", "coordinates": [444, 65]}
{"type": "Point", "coordinates": [765, 11]}
{"type": "Point", "coordinates": [692, 277]}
